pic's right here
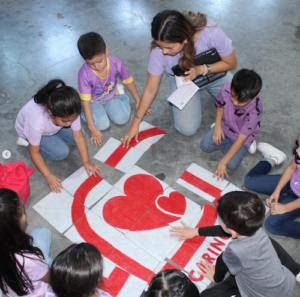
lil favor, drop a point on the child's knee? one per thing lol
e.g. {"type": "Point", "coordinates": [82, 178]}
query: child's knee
{"type": "Point", "coordinates": [272, 225]}
{"type": "Point", "coordinates": [103, 124]}
{"type": "Point", "coordinates": [187, 130]}
{"type": "Point", "coordinates": [122, 119]}
{"type": "Point", "coordinates": [63, 153]}
{"type": "Point", "coordinates": [248, 182]}
{"type": "Point", "coordinates": [233, 165]}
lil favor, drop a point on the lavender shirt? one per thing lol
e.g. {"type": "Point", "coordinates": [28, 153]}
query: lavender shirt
{"type": "Point", "coordinates": [50, 293]}
{"type": "Point", "coordinates": [295, 180]}
{"type": "Point", "coordinates": [93, 87]}
{"type": "Point", "coordinates": [237, 119]}
{"type": "Point", "coordinates": [35, 268]}
{"type": "Point", "coordinates": [209, 37]}
{"type": "Point", "coordinates": [33, 121]}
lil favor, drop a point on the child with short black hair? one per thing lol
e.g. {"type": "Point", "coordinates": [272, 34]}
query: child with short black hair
{"type": "Point", "coordinates": [239, 109]}
{"type": "Point", "coordinates": [77, 272]}
{"type": "Point", "coordinates": [97, 85]}
{"type": "Point", "coordinates": [258, 265]}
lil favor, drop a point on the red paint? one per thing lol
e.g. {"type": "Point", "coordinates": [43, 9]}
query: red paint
{"type": "Point", "coordinates": [146, 134]}
{"type": "Point", "coordinates": [175, 203]}
{"type": "Point", "coordinates": [117, 156]}
{"type": "Point", "coordinates": [89, 235]}
{"type": "Point", "coordinates": [141, 191]}
{"type": "Point", "coordinates": [202, 185]}
{"type": "Point", "coordinates": [115, 282]}
{"type": "Point", "coordinates": [121, 151]}
{"type": "Point", "coordinates": [189, 247]}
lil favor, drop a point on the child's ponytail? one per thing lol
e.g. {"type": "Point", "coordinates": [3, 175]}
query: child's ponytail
{"type": "Point", "coordinates": [42, 96]}
{"type": "Point", "coordinates": [61, 100]}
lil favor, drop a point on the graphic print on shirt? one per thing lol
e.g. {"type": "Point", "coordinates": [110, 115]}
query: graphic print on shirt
{"type": "Point", "coordinates": [258, 110]}
{"type": "Point", "coordinates": [102, 91]}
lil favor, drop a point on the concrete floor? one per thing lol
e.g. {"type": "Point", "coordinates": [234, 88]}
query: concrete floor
{"type": "Point", "coordinates": [38, 43]}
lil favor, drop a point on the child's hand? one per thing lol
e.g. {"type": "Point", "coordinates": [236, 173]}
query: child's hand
{"type": "Point", "coordinates": [54, 183]}
{"type": "Point", "coordinates": [221, 171]}
{"type": "Point", "coordinates": [184, 232]}
{"type": "Point", "coordinates": [96, 137]}
{"type": "Point", "coordinates": [149, 111]}
{"type": "Point", "coordinates": [208, 270]}
{"type": "Point", "coordinates": [92, 169]}
{"type": "Point", "coordinates": [218, 135]}
{"type": "Point", "coordinates": [277, 208]}
{"type": "Point", "coordinates": [273, 198]}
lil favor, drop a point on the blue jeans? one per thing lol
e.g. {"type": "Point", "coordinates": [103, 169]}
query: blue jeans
{"type": "Point", "coordinates": [257, 180]}
{"type": "Point", "coordinates": [209, 146]}
{"type": "Point", "coordinates": [187, 121]}
{"type": "Point", "coordinates": [54, 147]}
{"type": "Point", "coordinates": [42, 239]}
{"type": "Point", "coordinates": [117, 108]}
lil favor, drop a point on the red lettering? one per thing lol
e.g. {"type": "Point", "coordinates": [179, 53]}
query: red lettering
{"type": "Point", "coordinates": [210, 250]}
{"type": "Point", "coordinates": [193, 278]}
{"type": "Point", "coordinates": [216, 244]}
{"type": "Point", "coordinates": [208, 258]}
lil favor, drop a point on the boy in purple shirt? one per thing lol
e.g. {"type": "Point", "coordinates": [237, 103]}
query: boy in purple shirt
{"type": "Point", "coordinates": [239, 109]}
{"type": "Point", "coordinates": [97, 85]}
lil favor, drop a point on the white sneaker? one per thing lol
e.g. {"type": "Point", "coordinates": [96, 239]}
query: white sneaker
{"type": "Point", "coordinates": [212, 125]}
{"type": "Point", "coordinates": [22, 141]}
{"type": "Point", "coordinates": [271, 152]}
{"type": "Point", "coordinates": [252, 148]}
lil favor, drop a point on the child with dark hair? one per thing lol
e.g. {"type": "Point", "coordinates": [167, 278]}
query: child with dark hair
{"type": "Point", "coordinates": [283, 189]}
{"type": "Point", "coordinates": [239, 109]}
{"type": "Point", "coordinates": [97, 84]}
{"type": "Point", "coordinates": [48, 120]}
{"type": "Point", "coordinates": [24, 258]}
{"type": "Point", "coordinates": [171, 282]}
{"type": "Point", "coordinates": [76, 272]}
{"type": "Point", "coordinates": [258, 265]}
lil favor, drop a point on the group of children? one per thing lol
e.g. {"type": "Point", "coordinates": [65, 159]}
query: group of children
{"type": "Point", "coordinates": [258, 266]}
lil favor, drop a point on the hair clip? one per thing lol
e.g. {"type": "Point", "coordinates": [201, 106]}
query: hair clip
{"type": "Point", "coordinates": [58, 86]}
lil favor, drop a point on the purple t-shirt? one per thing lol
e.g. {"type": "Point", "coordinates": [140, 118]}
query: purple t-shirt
{"type": "Point", "coordinates": [211, 36]}
{"type": "Point", "coordinates": [33, 121]}
{"type": "Point", "coordinates": [239, 119]}
{"type": "Point", "coordinates": [50, 293]}
{"type": "Point", "coordinates": [92, 86]}
{"type": "Point", "coordinates": [295, 180]}
{"type": "Point", "coordinates": [36, 269]}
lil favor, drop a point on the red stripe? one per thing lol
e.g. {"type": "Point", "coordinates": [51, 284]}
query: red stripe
{"type": "Point", "coordinates": [115, 282]}
{"type": "Point", "coordinates": [89, 235]}
{"type": "Point", "coordinates": [201, 185]}
{"type": "Point", "coordinates": [189, 247]}
{"type": "Point", "coordinates": [117, 156]}
{"type": "Point", "coordinates": [121, 151]}
{"type": "Point", "coordinates": [146, 134]}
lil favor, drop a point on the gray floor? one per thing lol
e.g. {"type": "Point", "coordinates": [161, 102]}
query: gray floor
{"type": "Point", "coordinates": [38, 42]}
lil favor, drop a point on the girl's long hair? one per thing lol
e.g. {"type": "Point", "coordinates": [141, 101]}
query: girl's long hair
{"type": "Point", "coordinates": [14, 241]}
{"type": "Point", "coordinates": [61, 100]}
{"type": "Point", "coordinates": [175, 27]}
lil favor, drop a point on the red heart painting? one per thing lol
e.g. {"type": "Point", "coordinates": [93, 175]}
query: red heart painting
{"type": "Point", "coordinates": [141, 192]}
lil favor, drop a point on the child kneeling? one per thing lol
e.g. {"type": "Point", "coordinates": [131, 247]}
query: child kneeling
{"type": "Point", "coordinates": [239, 109]}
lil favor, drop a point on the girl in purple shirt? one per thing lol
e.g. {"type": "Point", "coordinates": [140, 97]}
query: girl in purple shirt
{"type": "Point", "coordinates": [24, 258]}
{"type": "Point", "coordinates": [284, 190]}
{"type": "Point", "coordinates": [177, 38]}
{"type": "Point", "coordinates": [46, 122]}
